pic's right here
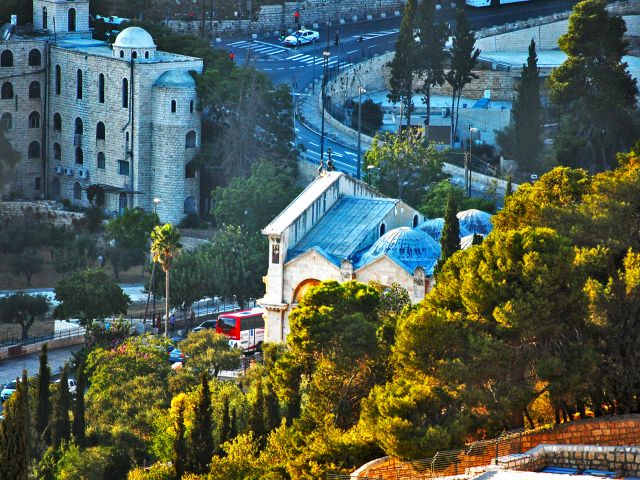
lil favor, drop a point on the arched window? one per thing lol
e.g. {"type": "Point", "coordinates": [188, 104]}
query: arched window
{"type": "Point", "coordinates": [71, 20]}
{"type": "Point", "coordinates": [34, 150]}
{"type": "Point", "coordinates": [174, 106]}
{"type": "Point", "coordinates": [79, 84]}
{"type": "Point", "coordinates": [55, 187]}
{"type": "Point", "coordinates": [191, 106]}
{"type": "Point", "coordinates": [134, 54]}
{"type": "Point", "coordinates": [415, 221]}
{"type": "Point", "coordinates": [121, 53]}
{"type": "Point", "coordinates": [79, 126]}
{"type": "Point", "coordinates": [79, 156]}
{"type": "Point", "coordinates": [77, 191]}
{"type": "Point", "coordinates": [122, 203]}
{"type": "Point", "coordinates": [57, 122]}
{"type": "Point", "coordinates": [100, 131]}
{"type": "Point", "coordinates": [6, 122]}
{"type": "Point", "coordinates": [146, 54]}
{"type": "Point", "coordinates": [383, 229]}
{"type": "Point", "coordinates": [34, 90]}
{"type": "Point", "coordinates": [190, 140]}
{"type": "Point", "coordinates": [57, 151]}
{"type": "Point", "coordinates": [125, 93]}
{"type": "Point", "coordinates": [190, 205]}
{"type": "Point", "coordinates": [35, 58]}
{"type": "Point", "coordinates": [34, 120]}
{"type": "Point", "coordinates": [6, 92]}
{"type": "Point", "coordinates": [101, 88]}
{"type": "Point", "coordinates": [190, 170]}
{"type": "Point", "coordinates": [102, 161]}
{"type": "Point", "coordinates": [58, 80]}
{"type": "Point", "coordinates": [6, 58]}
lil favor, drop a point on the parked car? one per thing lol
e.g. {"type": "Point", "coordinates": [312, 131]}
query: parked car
{"type": "Point", "coordinates": [8, 390]}
{"type": "Point", "coordinates": [205, 324]}
{"type": "Point", "coordinates": [73, 385]}
{"type": "Point", "coordinates": [176, 355]}
{"type": "Point", "coordinates": [301, 37]}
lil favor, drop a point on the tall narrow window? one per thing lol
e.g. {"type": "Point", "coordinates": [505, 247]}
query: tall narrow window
{"type": "Point", "coordinates": [34, 150]}
{"type": "Point", "coordinates": [6, 92]}
{"type": "Point", "coordinates": [34, 120]}
{"type": "Point", "coordinates": [174, 106]}
{"type": "Point", "coordinates": [123, 167]}
{"type": "Point", "coordinates": [101, 88]}
{"type": "Point", "coordinates": [191, 106]}
{"type": "Point", "coordinates": [102, 161]}
{"type": "Point", "coordinates": [146, 54]}
{"type": "Point", "coordinates": [6, 58]}
{"type": "Point", "coordinates": [57, 151]}
{"type": "Point", "coordinates": [79, 127]}
{"type": "Point", "coordinates": [6, 122]}
{"type": "Point", "coordinates": [125, 93]}
{"type": "Point", "coordinates": [77, 191]}
{"type": "Point", "coordinates": [190, 140]}
{"type": "Point", "coordinates": [79, 156]}
{"type": "Point", "coordinates": [71, 23]}
{"type": "Point", "coordinates": [134, 54]}
{"type": "Point", "coordinates": [35, 58]}
{"type": "Point", "coordinates": [57, 122]}
{"type": "Point", "coordinates": [79, 84]}
{"type": "Point", "coordinates": [58, 80]}
{"type": "Point", "coordinates": [34, 90]}
{"type": "Point", "coordinates": [45, 22]}
{"type": "Point", "coordinates": [100, 131]}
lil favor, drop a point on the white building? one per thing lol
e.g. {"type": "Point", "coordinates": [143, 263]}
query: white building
{"type": "Point", "coordinates": [83, 113]}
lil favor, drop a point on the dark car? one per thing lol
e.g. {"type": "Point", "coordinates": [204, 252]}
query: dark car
{"type": "Point", "coordinates": [205, 324]}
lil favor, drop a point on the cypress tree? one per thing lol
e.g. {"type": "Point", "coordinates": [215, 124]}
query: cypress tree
{"type": "Point", "coordinates": [61, 426]}
{"type": "Point", "coordinates": [527, 114]}
{"type": "Point", "coordinates": [202, 447]}
{"type": "Point", "coordinates": [509, 189]}
{"type": "Point", "coordinates": [271, 409]}
{"type": "Point", "coordinates": [26, 408]}
{"type": "Point", "coordinates": [78, 412]}
{"type": "Point", "coordinates": [256, 416]}
{"type": "Point", "coordinates": [223, 432]}
{"type": "Point", "coordinates": [43, 396]}
{"type": "Point", "coordinates": [14, 443]}
{"type": "Point", "coordinates": [179, 459]}
{"type": "Point", "coordinates": [233, 425]}
{"type": "Point", "coordinates": [450, 239]}
{"type": "Point", "coordinates": [477, 239]}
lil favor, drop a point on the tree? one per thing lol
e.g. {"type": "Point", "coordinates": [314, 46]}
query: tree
{"type": "Point", "coordinates": [271, 408]}
{"type": "Point", "coordinates": [22, 8]}
{"type": "Point", "coordinates": [450, 240]}
{"type": "Point", "coordinates": [209, 352]}
{"type": "Point", "coordinates": [14, 433]}
{"type": "Point", "coordinates": [463, 58]}
{"type": "Point", "coordinates": [224, 428]}
{"type": "Point", "coordinates": [430, 58]}
{"type": "Point", "coordinates": [23, 309]}
{"type": "Point", "coordinates": [593, 86]}
{"type": "Point", "coordinates": [43, 396]}
{"type": "Point", "coordinates": [60, 423]}
{"type": "Point", "coordinates": [405, 166]}
{"type": "Point", "coordinates": [371, 118]}
{"type": "Point", "coordinates": [179, 460]}
{"type": "Point", "coordinates": [403, 65]}
{"type": "Point", "coordinates": [165, 246]}
{"type": "Point", "coordinates": [257, 414]}
{"type": "Point", "coordinates": [527, 114]}
{"type": "Point", "coordinates": [201, 436]}
{"type": "Point", "coordinates": [78, 428]}
{"type": "Point", "coordinates": [89, 295]}
{"type": "Point", "coordinates": [434, 201]}
{"type": "Point", "coordinates": [9, 157]}
{"type": "Point", "coordinates": [26, 263]}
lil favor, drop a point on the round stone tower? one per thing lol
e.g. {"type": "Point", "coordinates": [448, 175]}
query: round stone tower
{"type": "Point", "coordinates": [176, 138]}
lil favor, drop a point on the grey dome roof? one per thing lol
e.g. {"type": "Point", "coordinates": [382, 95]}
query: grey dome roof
{"type": "Point", "coordinates": [409, 247]}
{"type": "Point", "coordinates": [176, 79]}
{"type": "Point", "coordinates": [134, 37]}
{"type": "Point", "coordinates": [475, 221]}
{"type": "Point", "coordinates": [434, 226]}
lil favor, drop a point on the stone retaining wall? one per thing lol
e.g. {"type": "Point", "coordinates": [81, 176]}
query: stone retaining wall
{"type": "Point", "coordinates": [45, 211]}
{"type": "Point", "coordinates": [36, 347]}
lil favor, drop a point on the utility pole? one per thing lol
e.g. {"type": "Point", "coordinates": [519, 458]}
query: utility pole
{"type": "Point", "coordinates": [325, 75]}
{"type": "Point", "coordinates": [360, 92]}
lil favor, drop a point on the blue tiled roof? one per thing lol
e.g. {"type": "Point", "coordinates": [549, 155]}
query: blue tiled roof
{"type": "Point", "coordinates": [409, 248]}
{"type": "Point", "coordinates": [475, 221]}
{"type": "Point", "coordinates": [434, 226]}
{"type": "Point", "coordinates": [350, 226]}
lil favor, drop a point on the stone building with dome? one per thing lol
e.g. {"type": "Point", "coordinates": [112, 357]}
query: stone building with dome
{"type": "Point", "coordinates": [121, 118]}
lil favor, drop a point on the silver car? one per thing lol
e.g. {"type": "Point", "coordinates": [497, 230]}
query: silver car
{"type": "Point", "coordinates": [301, 37]}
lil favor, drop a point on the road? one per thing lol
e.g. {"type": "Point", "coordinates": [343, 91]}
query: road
{"type": "Point", "coordinates": [299, 66]}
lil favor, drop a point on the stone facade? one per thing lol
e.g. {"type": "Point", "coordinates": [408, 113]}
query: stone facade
{"type": "Point", "coordinates": [46, 211]}
{"type": "Point", "coordinates": [106, 117]}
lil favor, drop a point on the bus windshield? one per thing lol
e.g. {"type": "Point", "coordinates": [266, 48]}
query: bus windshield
{"type": "Point", "coordinates": [226, 324]}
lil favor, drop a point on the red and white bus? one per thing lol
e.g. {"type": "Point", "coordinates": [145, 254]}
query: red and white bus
{"type": "Point", "coordinates": [245, 329]}
{"type": "Point", "coordinates": [491, 3]}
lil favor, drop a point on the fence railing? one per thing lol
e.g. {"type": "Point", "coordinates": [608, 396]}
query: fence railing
{"type": "Point", "coordinates": [16, 340]}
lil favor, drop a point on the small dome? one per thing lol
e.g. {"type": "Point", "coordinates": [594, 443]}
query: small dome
{"type": "Point", "coordinates": [434, 226]}
{"type": "Point", "coordinates": [475, 221]}
{"type": "Point", "coordinates": [134, 37]}
{"type": "Point", "coordinates": [409, 247]}
{"type": "Point", "coordinates": [176, 79]}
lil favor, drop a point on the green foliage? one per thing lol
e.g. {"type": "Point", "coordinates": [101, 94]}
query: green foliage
{"type": "Point", "coordinates": [179, 459]}
{"type": "Point", "coordinates": [27, 263]}
{"type": "Point", "coordinates": [405, 166]}
{"type": "Point", "coordinates": [241, 460]}
{"type": "Point", "coordinates": [14, 434]}
{"type": "Point", "coordinates": [254, 201]}
{"type": "Point", "coordinates": [89, 295]}
{"type": "Point", "coordinates": [209, 352]}
{"type": "Point", "coordinates": [450, 240]}
{"type": "Point", "coordinates": [593, 87]}
{"type": "Point", "coordinates": [74, 253]}
{"type": "Point", "coordinates": [79, 425]}
{"type": "Point", "coordinates": [201, 437]}
{"type": "Point", "coordinates": [371, 117]}
{"type": "Point", "coordinates": [76, 463]}
{"type": "Point", "coordinates": [23, 309]}
{"type": "Point", "coordinates": [22, 8]}
{"type": "Point", "coordinates": [60, 422]}
{"type": "Point", "coordinates": [434, 202]}
{"type": "Point", "coordinates": [43, 395]}
{"type": "Point", "coordinates": [165, 246]}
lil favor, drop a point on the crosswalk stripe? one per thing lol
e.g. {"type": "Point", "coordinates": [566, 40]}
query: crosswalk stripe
{"type": "Point", "coordinates": [237, 44]}
{"type": "Point", "coordinates": [296, 56]}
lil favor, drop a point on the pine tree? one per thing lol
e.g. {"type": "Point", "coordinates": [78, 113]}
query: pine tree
{"type": "Point", "coordinates": [60, 424]}
{"type": "Point", "coordinates": [14, 442]}
{"type": "Point", "coordinates": [430, 58]}
{"type": "Point", "coordinates": [450, 239]}
{"type": "Point", "coordinates": [201, 442]}
{"type": "Point", "coordinates": [256, 416]}
{"type": "Point", "coordinates": [403, 65]}
{"type": "Point", "coordinates": [43, 396]}
{"type": "Point", "coordinates": [271, 409]}
{"type": "Point", "coordinates": [527, 114]}
{"type": "Point", "coordinates": [225, 426]}
{"type": "Point", "coordinates": [463, 58]}
{"type": "Point", "coordinates": [179, 459]}
{"type": "Point", "coordinates": [509, 189]}
{"type": "Point", "coordinates": [78, 412]}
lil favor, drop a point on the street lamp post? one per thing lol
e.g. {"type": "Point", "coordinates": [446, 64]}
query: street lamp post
{"type": "Point", "coordinates": [467, 164]}
{"type": "Point", "coordinates": [369, 168]}
{"type": "Point", "coordinates": [313, 75]}
{"type": "Point", "coordinates": [360, 92]}
{"type": "Point", "coordinates": [325, 55]}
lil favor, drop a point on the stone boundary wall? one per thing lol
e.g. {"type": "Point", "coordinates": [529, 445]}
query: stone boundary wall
{"type": "Point", "coordinates": [39, 211]}
{"type": "Point", "coordinates": [36, 347]}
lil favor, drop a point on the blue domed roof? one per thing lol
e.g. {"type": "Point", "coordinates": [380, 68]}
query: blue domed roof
{"type": "Point", "coordinates": [409, 247]}
{"type": "Point", "coordinates": [434, 226]}
{"type": "Point", "coordinates": [176, 79]}
{"type": "Point", "coordinates": [475, 221]}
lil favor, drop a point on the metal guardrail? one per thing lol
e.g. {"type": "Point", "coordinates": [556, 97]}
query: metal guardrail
{"type": "Point", "coordinates": [15, 341]}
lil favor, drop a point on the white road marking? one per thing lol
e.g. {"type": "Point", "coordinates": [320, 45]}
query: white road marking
{"type": "Point", "coordinates": [314, 144]}
{"type": "Point", "coordinates": [350, 153]}
{"type": "Point", "coordinates": [352, 51]}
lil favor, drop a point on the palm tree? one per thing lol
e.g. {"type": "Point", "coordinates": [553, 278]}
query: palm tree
{"type": "Point", "coordinates": [164, 247]}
